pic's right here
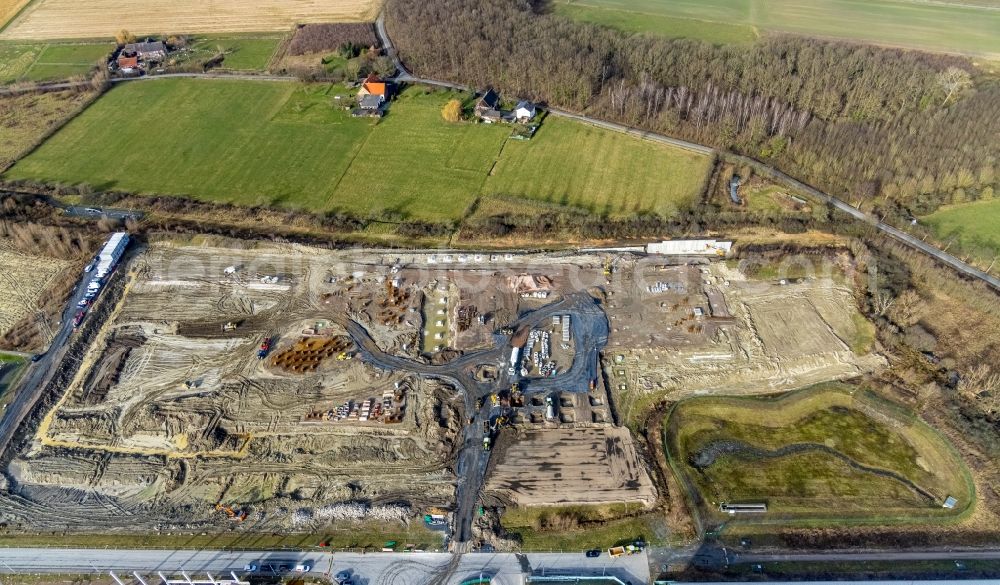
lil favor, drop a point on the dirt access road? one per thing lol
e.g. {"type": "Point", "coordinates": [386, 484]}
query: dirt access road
{"type": "Point", "coordinates": [590, 334]}
{"type": "Point", "coordinates": [40, 373]}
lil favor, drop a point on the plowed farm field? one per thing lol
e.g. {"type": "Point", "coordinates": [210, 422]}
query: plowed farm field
{"type": "Point", "coordinates": [65, 19]}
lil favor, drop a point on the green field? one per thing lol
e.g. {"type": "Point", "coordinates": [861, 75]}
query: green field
{"type": "Point", "coordinates": [936, 26]}
{"type": "Point", "coordinates": [673, 27]}
{"type": "Point", "coordinates": [582, 527]}
{"type": "Point", "coordinates": [294, 145]}
{"type": "Point", "coordinates": [240, 53]}
{"type": "Point", "coordinates": [45, 62]}
{"type": "Point", "coordinates": [569, 163]}
{"type": "Point", "coordinates": [831, 454]}
{"type": "Point", "coordinates": [11, 369]}
{"type": "Point", "coordinates": [975, 225]}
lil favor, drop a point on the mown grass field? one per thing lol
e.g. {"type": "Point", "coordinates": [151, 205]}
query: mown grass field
{"type": "Point", "coordinates": [975, 225]}
{"type": "Point", "coordinates": [240, 53]}
{"type": "Point", "coordinates": [44, 61]}
{"type": "Point", "coordinates": [673, 27]}
{"type": "Point", "coordinates": [294, 145]}
{"type": "Point", "coordinates": [813, 484]}
{"type": "Point", "coordinates": [936, 26]}
{"type": "Point", "coordinates": [574, 164]}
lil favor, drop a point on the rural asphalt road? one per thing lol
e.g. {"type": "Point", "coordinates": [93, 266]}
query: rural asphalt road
{"type": "Point", "coordinates": [416, 568]}
{"type": "Point", "coordinates": [917, 243]}
{"type": "Point", "coordinates": [40, 372]}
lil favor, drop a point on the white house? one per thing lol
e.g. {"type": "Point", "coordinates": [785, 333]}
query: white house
{"type": "Point", "coordinates": [525, 111]}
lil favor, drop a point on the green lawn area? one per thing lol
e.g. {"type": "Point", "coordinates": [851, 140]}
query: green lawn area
{"type": "Point", "coordinates": [241, 53]}
{"type": "Point", "coordinates": [936, 26]}
{"type": "Point", "coordinates": [880, 448]}
{"type": "Point", "coordinates": [599, 527]}
{"type": "Point", "coordinates": [976, 225]}
{"type": "Point", "coordinates": [294, 145]}
{"type": "Point", "coordinates": [575, 164]}
{"type": "Point", "coordinates": [44, 62]}
{"type": "Point", "coordinates": [11, 369]}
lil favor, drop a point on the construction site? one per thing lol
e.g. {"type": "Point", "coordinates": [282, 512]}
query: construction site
{"type": "Point", "coordinates": [259, 387]}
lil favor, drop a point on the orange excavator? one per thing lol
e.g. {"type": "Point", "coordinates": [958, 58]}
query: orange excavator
{"type": "Point", "coordinates": [233, 514]}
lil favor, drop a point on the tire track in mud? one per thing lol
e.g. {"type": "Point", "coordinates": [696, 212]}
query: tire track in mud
{"type": "Point", "coordinates": [708, 455]}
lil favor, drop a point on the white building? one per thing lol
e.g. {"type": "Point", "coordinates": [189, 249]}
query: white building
{"type": "Point", "coordinates": [690, 248]}
{"type": "Point", "coordinates": [111, 253]}
{"type": "Point", "coordinates": [525, 111]}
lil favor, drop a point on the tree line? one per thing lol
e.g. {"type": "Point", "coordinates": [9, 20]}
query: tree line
{"type": "Point", "coordinates": [909, 130]}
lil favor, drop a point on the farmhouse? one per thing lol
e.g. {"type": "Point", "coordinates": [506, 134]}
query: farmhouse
{"type": "Point", "coordinates": [488, 110]}
{"type": "Point", "coordinates": [372, 97]}
{"type": "Point", "coordinates": [147, 51]}
{"type": "Point", "coordinates": [373, 86]}
{"type": "Point", "coordinates": [488, 105]}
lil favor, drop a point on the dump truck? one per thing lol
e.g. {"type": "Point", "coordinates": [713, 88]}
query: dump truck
{"type": "Point", "coordinates": [486, 443]}
{"type": "Point", "coordinates": [616, 551]}
{"type": "Point", "coordinates": [265, 347]}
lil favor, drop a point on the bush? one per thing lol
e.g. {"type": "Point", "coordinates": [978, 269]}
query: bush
{"type": "Point", "coordinates": [341, 37]}
{"type": "Point", "coordinates": [452, 111]}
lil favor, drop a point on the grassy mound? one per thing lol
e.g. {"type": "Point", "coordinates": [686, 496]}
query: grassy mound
{"type": "Point", "coordinates": [830, 454]}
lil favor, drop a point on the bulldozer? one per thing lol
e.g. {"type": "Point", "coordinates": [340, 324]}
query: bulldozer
{"type": "Point", "coordinates": [229, 326]}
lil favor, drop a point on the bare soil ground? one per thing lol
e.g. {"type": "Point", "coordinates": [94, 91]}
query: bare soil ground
{"type": "Point", "coordinates": [559, 467]}
{"type": "Point", "coordinates": [176, 409]}
{"type": "Point", "coordinates": [751, 337]}
{"type": "Point", "coordinates": [62, 19]}
{"type": "Point", "coordinates": [175, 414]}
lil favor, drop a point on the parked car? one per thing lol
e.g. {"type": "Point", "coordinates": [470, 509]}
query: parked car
{"type": "Point", "coordinates": [37, 357]}
{"type": "Point", "coordinates": [593, 554]}
{"type": "Point", "coordinates": [83, 303]}
{"type": "Point", "coordinates": [89, 267]}
{"type": "Point", "coordinates": [250, 568]}
{"type": "Point", "coordinates": [303, 567]}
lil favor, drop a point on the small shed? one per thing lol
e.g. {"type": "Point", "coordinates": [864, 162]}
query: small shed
{"type": "Point", "coordinates": [491, 116]}
{"type": "Point", "coordinates": [950, 502]}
